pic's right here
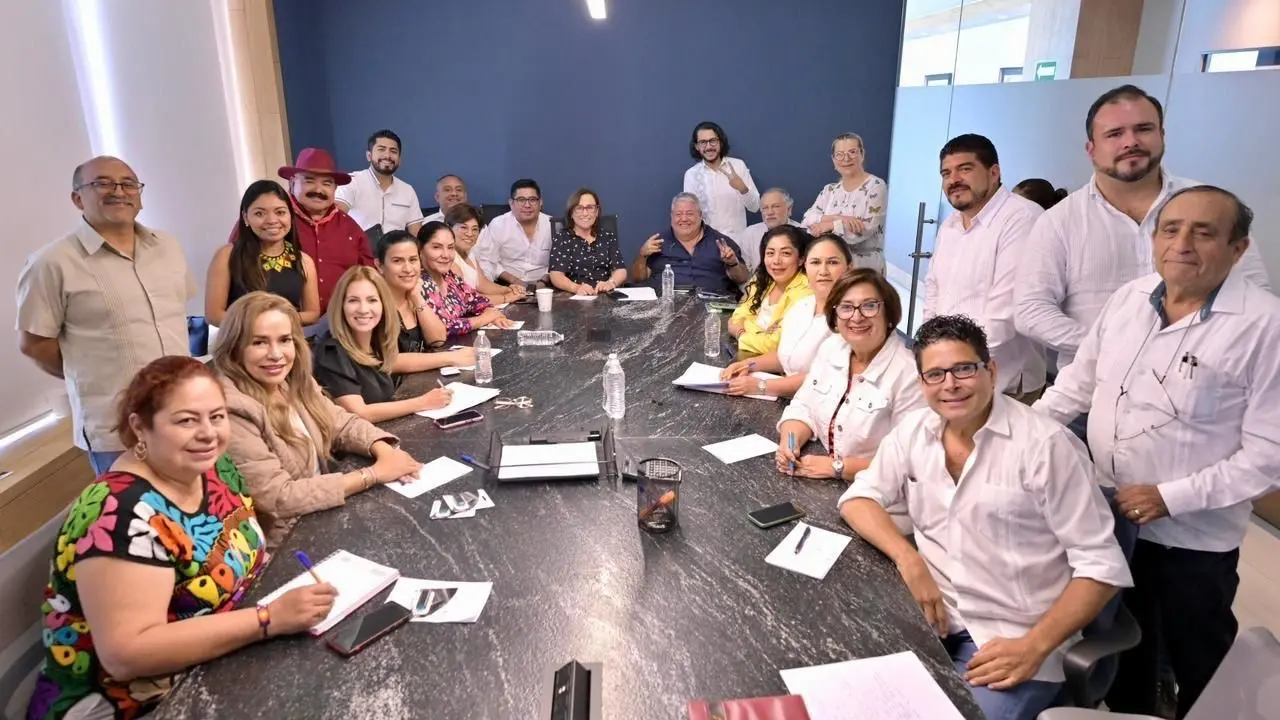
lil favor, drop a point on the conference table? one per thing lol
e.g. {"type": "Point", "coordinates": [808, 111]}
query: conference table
{"type": "Point", "coordinates": [691, 613]}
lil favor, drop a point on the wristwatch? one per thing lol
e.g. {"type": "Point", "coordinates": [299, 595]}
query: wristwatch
{"type": "Point", "coordinates": [762, 387]}
{"type": "Point", "coordinates": [837, 465]}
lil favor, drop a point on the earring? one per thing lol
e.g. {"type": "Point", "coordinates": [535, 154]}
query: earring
{"type": "Point", "coordinates": [140, 450]}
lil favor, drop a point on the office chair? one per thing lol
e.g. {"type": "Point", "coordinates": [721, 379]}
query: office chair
{"type": "Point", "coordinates": [492, 211]}
{"type": "Point", "coordinates": [1245, 687]}
{"type": "Point", "coordinates": [429, 211]}
{"type": "Point", "coordinates": [1090, 665]}
{"type": "Point", "coordinates": [607, 222]}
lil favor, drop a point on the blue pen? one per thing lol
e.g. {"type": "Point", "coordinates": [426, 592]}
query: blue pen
{"type": "Point", "coordinates": [728, 351]}
{"type": "Point", "coordinates": [306, 563]}
{"type": "Point", "coordinates": [791, 445]}
{"type": "Point", "coordinates": [473, 462]}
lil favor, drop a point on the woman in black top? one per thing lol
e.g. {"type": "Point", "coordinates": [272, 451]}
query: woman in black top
{"type": "Point", "coordinates": [586, 259]}
{"type": "Point", "coordinates": [263, 256]}
{"type": "Point", "coordinates": [354, 358]}
{"type": "Point", "coordinates": [401, 266]}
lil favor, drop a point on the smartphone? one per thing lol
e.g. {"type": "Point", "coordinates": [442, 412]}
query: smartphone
{"type": "Point", "coordinates": [775, 515]}
{"type": "Point", "coordinates": [466, 417]}
{"type": "Point", "coordinates": [361, 632]}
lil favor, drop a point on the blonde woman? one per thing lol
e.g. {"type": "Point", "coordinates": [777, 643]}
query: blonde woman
{"type": "Point", "coordinates": [283, 428]}
{"type": "Point", "coordinates": [355, 357]}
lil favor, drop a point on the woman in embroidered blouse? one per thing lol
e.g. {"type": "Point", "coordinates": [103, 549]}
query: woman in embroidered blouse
{"type": "Point", "coordinates": [398, 258]}
{"type": "Point", "coordinates": [467, 222]}
{"type": "Point", "coordinates": [454, 308]}
{"type": "Point", "coordinates": [263, 256]}
{"type": "Point", "coordinates": [861, 383]}
{"type": "Point", "coordinates": [155, 557]}
{"type": "Point", "coordinates": [804, 327]}
{"type": "Point", "coordinates": [585, 258]}
{"type": "Point", "coordinates": [283, 428]}
{"type": "Point", "coordinates": [853, 207]}
{"type": "Point", "coordinates": [776, 286]}
{"type": "Point", "coordinates": [356, 356]}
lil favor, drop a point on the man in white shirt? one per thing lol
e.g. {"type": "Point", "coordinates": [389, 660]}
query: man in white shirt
{"type": "Point", "coordinates": [515, 248]}
{"type": "Point", "coordinates": [975, 260]}
{"type": "Point", "coordinates": [1016, 552]}
{"type": "Point", "coordinates": [1097, 239]}
{"type": "Point", "coordinates": [722, 184]}
{"type": "Point", "coordinates": [450, 191]}
{"type": "Point", "coordinates": [775, 210]}
{"type": "Point", "coordinates": [375, 196]}
{"type": "Point", "coordinates": [1182, 372]}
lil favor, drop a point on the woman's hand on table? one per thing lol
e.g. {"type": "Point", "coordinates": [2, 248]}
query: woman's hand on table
{"type": "Point", "coordinates": [736, 369]}
{"type": "Point", "coordinates": [436, 398]}
{"type": "Point", "coordinates": [806, 466]}
{"type": "Point", "coordinates": [605, 286]}
{"type": "Point", "coordinates": [462, 357]}
{"type": "Point", "coordinates": [743, 385]}
{"type": "Point", "coordinates": [301, 608]}
{"type": "Point", "coordinates": [584, 289]}
{"type": "Point", "coordinates": [392, 464]}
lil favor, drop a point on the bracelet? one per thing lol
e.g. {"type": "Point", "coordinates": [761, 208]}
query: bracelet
{"type": "Point", "coordinates": [264, 618]}
{"type": "Point", "coordinates": [366, 478]}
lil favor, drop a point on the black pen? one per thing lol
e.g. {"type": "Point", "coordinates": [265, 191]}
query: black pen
{"type": "Point", "coordinates": [803, 536]}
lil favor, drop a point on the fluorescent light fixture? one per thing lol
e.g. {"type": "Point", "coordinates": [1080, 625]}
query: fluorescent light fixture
{"type": "Point", "coordinates": [596, 8]}
{"type": "Point", "coordinates": [93, 72]}
{"type": "Point", "coordinates": [43, 422]}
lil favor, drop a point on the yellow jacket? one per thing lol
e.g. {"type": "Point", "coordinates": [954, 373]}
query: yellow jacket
{"type": "Point", "coordinates": [758, 340]}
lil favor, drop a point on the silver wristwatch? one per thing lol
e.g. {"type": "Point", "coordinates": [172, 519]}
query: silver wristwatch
{"type": "Point", "coordinates": [761, 387]}
{"type": "Point", "coordinates": [837, 465]}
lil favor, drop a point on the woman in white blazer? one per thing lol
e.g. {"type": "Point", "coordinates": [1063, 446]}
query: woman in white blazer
{"type": "Point", "coordinates": [861, 383]}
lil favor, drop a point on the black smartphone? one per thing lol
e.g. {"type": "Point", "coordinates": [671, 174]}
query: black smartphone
{"type": "Point", "coordinates": [361, 632]}
{"type": "Point", "coordinates": [599, 335]}
{"type": "Point", "coordinates": [775, 515]}
{"type": "Point", "coordinates": [466, 417]}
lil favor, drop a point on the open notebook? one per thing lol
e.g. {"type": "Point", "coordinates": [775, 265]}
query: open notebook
{"type": "Point", "coordinates": [356, 579]}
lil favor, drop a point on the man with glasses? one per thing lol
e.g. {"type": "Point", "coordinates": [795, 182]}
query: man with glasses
{"type": "Point", "coordinates": [97, 305]}
{"type": "Point", "coordinates": [1181, 374]}
{"type": "Point", "coordinates": [699, 255]}
{"type": "Point", "coordinates": [1016, 552]}
{"type": "Point", "coordinates": [775, 210]}
{"type": "Point", "coordinates": [975, 259]}
{"type": "Point", "coordinates": [722, 184]}
{"type": "Point", "coordinates": [515, 249]}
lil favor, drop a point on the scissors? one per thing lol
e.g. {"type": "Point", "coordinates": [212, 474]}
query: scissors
{"type": "Point", "coordinates": [523, 402]}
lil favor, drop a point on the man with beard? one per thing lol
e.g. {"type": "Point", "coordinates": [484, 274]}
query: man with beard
{"type": "Point", "coordinates": [515, 248]}
{"type": "Point", "coordinates": [722, 184]}
{"type": "Point", "coordinates": [975, 259]}
{"type": "Point", "coordinates": [1086, 247]}
{"type": "Point", "coordinates": [451, 191]}
{"type": "Point", "coordinates": [775, 210]}
{"type": "Point", "coordinates": [375, 196]}
{"type": "Point", "coordinates": [97, 305]}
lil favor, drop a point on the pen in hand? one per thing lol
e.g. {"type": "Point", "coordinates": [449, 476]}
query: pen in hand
{"type": "Point", "coordinates": [306, 563]}
{"type": "Point", "coordinates": [803, 536]}
{"type": "Point", "coordinates": [791, 445]}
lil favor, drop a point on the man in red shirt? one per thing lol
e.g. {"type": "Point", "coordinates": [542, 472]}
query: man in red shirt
{"type": "Point", "coordinates": [330, 236]}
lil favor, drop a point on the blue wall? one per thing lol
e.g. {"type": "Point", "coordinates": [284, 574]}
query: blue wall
{"type": "Point", "coordinates": [494, 90]}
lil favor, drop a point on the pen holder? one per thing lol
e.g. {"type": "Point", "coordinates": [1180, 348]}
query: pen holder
{"type": "Point", "coordinates": [658, 494]}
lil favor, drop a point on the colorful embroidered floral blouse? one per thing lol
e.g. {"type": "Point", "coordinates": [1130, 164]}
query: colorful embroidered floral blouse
{"type": "Point", "coordinates": [455, 303]}
{"type": "Point", "coordinates": [215, 552]}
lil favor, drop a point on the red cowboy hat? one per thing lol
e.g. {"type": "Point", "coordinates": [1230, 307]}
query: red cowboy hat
{"type": "Point", "coordinates": [316, 162]}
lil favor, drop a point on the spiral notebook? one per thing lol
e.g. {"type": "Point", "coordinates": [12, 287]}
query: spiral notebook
{"type": "Point", "coordinates": [357, 580]}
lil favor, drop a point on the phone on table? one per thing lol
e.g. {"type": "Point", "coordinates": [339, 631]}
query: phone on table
{"type": "Point", "coordinates": [361, 632]}
{"type": "Point", "coordinates": [466, 417]}
{"type": "Point", "coordinates": [775, 515]}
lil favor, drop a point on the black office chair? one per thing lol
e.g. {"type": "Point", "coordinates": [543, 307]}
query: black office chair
{"type": "Point", "coordinates": [429, 211]}
{"type": "Point", "coordinates": [607, 222]}
{"type": "Point", "coordinates": [491, 212]}
{"type": "Point", "coordinates": [1090, 665]}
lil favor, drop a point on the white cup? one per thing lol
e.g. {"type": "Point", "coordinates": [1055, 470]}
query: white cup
{"type": "Point", "coordinates": [544, 299]}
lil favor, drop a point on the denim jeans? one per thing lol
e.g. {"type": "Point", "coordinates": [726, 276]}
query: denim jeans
{"type": "Point", "coordinates": [101, 461]}
{"type": "Point", "coordinates": [1021, 702]}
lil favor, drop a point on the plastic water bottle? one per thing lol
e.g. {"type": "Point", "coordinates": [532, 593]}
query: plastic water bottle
{"type": "Point", "coordinates": [538, 337]}
{"type": "Point", "coordinates": [615, 388]}
{"type": "Point", "coordinates": [668, 284]}
{"type": "Point", "coordinates": [484, 360]}
{"type": "Point", "coordinates": [711, 333]}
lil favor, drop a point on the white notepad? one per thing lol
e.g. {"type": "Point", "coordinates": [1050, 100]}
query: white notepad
{"type": "Point", "coordinates": [706, 378]}
{"type": "Point", "coordinates": [515, 325]}
{"type": "Point", "coordinates": [584, 297]}
{"type": "Point", "coordinates": [548, 460]}
{"type": "Point", "coordinates": [637, 293]}
{"type": "Point", "coordinates": [356, 579]}
{"type": "Point", "coordinates": [747, 446]}
{"type": "Point", "coordinates": [815, 559]}
{"type": "Point", "coordinates": [892, 687]}
{"type": "Point", "coordinates": [464, 396]}
{"type": "Point", "coordinates": [431, 476]}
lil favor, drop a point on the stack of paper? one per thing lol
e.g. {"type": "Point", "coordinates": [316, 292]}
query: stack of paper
{"type": "Point", "coordinates": [747, 446]}
{"type": "Point", "coordinates": [357, 581]}
{"type": "Point", "coordinates": [706, 378]}
{"type": "Point", "coordinates": [893, 687]}
{"type": "Point", "coordinates": [583, 297]}
{"type": "Point", "coordinates": [464, 396]}
{"type": "Point", "coordinates": [466, 599]}
{"type": "Point", "coordinates": [515, 325]}
{"type": "Point", "coordinates": [548, 461]}
{"type": "Point", "coordinates": [637, 293]}
{"type": "Point", "coordinates": [820, 551]}
{"type": "Point", "coordinates": [431, 476]}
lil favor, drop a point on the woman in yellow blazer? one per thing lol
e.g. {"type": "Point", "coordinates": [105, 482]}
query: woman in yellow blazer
{"type": "Point", "coordinates": [777, 285]}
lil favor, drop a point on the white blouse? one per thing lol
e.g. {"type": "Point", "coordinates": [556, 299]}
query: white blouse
{"type": "Point", "coordinates": [866, 202]}
{"type": "Point", "coordinates": [802, 333]}
{"type": "Point", "coordinates": [467, 270]}
{"type": "Point", "coordinates": [723, 207]}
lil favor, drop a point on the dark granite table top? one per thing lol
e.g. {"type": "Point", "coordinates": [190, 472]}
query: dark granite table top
{"type": "Point", "coordinates": [693, 613]}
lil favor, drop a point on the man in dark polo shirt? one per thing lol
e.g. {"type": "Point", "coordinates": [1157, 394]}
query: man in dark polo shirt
{"type": "Point", "coordinates": [699, 255]}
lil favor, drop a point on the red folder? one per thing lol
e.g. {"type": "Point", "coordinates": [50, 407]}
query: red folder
{"type": "Point", "coordinates": [781, 707]}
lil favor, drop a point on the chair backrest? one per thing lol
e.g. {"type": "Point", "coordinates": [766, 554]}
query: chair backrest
{"type": "Point", "coordinates": [607, 222]}
{"type": "Point", "coordinates": [1246, 685]}
{"type": "Point", "coordinates": [24, 573]}
{"type": "Point", "coordinates": [491, 212]}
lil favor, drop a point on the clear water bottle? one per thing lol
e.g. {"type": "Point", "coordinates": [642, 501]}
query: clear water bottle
{"type": "Point", "coordinates": [615, 388]}
{"type": "Point", "coordinates": [484, 360]}
{"type": "Point", "coordinates": [711, 333]}
{"type": "Point", "coordinates": [538, 337]}
{"type": "Point", "coordinates": [668, 283]}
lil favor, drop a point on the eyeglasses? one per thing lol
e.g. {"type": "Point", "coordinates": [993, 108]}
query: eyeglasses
{"type": "Point", "coordinates": [846, 154]}
{"type": "Point", "coordinates": [526, 200]}
{"type": "Point", "coordinates": [868, 309]}
{"type": "Point", "coordinates": [586, 208]}
{"type": "Point", "coordinates": [128, 187]}
{"type": "Point", "coordinates": [963, 371]}
{"type": "Point", "coordinates": [707, 143]}
{"type": "Point", "coordinates": [522, 402]}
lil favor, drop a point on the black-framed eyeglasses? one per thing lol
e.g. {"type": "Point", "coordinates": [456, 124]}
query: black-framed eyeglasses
{"type": "Point", "coordinates": [868, 309]}
{"type": "Point", "coordinates": [526, 200]}
{"type": "Point", "coordinates": [586, 208]}
{"type": "Point", "coordinates": [128, 187]}
{"type": "Point", "coordinates": [963, 371]}
{"type": "Point", "coordinates": [707, 143]}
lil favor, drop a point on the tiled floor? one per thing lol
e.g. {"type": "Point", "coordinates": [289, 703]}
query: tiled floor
{"type": "Point", "coordinates": [1258, 599]}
